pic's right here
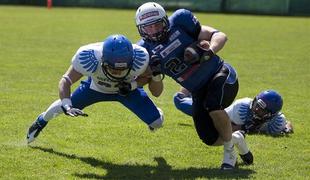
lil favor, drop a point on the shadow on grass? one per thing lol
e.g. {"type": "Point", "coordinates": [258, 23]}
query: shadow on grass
{"type": "Point", "coordinates": [186, 125]}
{"type": "Point", "coordinates": [162, 171]}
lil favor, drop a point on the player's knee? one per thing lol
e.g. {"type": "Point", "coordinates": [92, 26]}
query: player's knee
{"type": "Point", "coordinates": [158, 123]}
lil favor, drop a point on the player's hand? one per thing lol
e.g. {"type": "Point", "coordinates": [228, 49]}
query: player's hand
{"type": "Point", "coordinates": [288, 128]}
{"type": "Point", "coordinates": [155, 65]}
{"type": "Point", "coordinates": [124, 88]}
{"type": "Point", "coordinates": [198, 52]}
{"type": "Point", "coordinates": [252, 126]}
{"type": "Point", "coordinates": [73, 112]}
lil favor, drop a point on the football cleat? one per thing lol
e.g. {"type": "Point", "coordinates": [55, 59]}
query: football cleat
{"type": "Point", "coordinates": [35, 129]}
{"type": "Point", "coordinates": [247, 158]}
{"type": "Point", "coordinates": [230, 159]}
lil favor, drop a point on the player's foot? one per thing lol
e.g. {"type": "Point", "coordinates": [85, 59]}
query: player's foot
{"type": "Point", "coordinates": [35, 129]}
{"type": "Point", "coordinates": [230, 159]}
{"type": "Point", "coordinates": [247, 158]}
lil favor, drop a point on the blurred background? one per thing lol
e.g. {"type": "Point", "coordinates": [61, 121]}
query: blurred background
{"type": "Point", "coordinates": [266, 7]}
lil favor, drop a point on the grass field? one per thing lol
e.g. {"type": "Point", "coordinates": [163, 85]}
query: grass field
{"type": "Point", "coordinates": [36, 46]}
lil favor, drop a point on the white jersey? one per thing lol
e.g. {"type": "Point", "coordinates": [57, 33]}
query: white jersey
{"type": "Point", "coordinates": [239, 112]}
{"type": "Point", "coordinates": [87, 61]}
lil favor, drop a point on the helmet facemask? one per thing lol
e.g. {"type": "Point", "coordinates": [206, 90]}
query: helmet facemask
{"type": "Point", "coordinates": [160, 35]}
{"type": "Point", "coordinates": [115, 74]}
{"type": "Point", "coordinates": [260, 111]}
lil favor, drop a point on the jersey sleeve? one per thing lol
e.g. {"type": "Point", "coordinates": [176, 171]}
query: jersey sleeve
{"type": "Point", "coordinates": [140, 60]}
{"type": "Point", "coordinates": [275, 126]}
{"type": "Point", "coordinates": [187, 21]}
{"type": "Point", "coordinates": [238, 111]}
{"type": "Point", "coordinates": [85, 61]}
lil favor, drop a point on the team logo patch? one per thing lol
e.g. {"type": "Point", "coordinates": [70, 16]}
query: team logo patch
{"type": "Point", "coordinates": [149, 14]}
{"type": "Point", "coordinates": [175, 44]}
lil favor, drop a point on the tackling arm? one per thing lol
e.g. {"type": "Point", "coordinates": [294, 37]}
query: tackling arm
{"type": "Point", "coordinates": [155, 85]}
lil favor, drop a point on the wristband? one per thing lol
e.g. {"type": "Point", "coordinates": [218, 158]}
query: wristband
{"type": "Point", "coordinates": [133, 85]}
{"type": "Point", "coordinates": [66, 103]}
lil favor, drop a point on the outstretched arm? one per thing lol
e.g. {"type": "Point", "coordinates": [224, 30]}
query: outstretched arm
{"type": "Point", "coordinates": [70, 77]}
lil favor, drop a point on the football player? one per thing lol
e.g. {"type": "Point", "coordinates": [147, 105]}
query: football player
{"type": "Point", "coordinates": [113, 68]}
{"type": "Point", "coordinates": [259, 115]}
{"type": "Point", "coordinates": [176, 47]}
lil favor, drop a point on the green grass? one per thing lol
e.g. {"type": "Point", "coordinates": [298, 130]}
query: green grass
{"type": "Point", "coordinates": [36, 46]}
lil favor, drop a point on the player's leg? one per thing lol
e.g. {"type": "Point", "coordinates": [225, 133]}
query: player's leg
{"type": "Point", "coordinates": [238, 138]}
{"type": "Point", "coordinates": [211, 121]}
{"type": "Point", "coordinates": [183, 103]}
{"type": "Point", "coordinates": [222, 92]}
{"type": "Point", "coordinates": [139, 103]}
{"type": "Point", "coordinates": [83, 96]}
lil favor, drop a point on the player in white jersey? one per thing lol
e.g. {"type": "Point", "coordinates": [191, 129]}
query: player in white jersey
{"type": "Point", "coordinates": [259, 115]}
{"type": "Point", "coordinates": [113, 69]}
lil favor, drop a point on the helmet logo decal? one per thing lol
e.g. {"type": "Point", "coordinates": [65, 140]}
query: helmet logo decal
{"type": "Point", "coordinates": [120, 65]}
{"type": "Point", "coordinates": [88, 60]}
{"type": "Point", "coordinates": [148, 14]}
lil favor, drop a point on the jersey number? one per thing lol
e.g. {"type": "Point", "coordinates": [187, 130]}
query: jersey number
{"type": "Point", "coordinates": [175, 66]}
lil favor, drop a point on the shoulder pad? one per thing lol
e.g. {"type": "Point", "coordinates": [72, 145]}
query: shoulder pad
{"type": "Point", "coordinates": [85, 61]}
{"type": "Point", "coordinates": [140, 59]}
{"type": "Point", "coordinates": [183, 17]}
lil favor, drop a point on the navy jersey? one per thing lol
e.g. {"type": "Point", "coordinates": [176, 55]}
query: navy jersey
{"type": "Point", "coordinates": [184, 30]}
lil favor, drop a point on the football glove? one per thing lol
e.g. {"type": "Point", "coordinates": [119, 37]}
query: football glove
{"type": "Point", "coordinates": [155, 65]}
{"type": "Point", "coordinates": [73, 112]}
{"type": "Point", "coordinates": [252, 126]}
{"type": "Point", "coordinates": [194, 53]}
{"type": "Point", "coordinates": [124, 88]}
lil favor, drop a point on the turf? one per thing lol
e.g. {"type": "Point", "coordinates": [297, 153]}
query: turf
{"type": "Point", "coordinates": [36, 47]}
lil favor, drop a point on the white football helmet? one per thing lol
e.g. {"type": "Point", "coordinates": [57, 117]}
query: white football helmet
{"type": "Point", "coordinates": [149, 14]}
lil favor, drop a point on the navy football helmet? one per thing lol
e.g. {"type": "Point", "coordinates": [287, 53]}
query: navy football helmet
{"type": "Point", "coordinates": [117, 57]}
{"type": "Point", "coordinates": [266, 105]}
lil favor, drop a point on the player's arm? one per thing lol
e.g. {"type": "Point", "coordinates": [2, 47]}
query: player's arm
{"type": "Point", "coordinates": [69, 78]}
{"type": "Point", "coordinates": [155, 83]}
{"type": "Point", "coordinates": [216, 38]}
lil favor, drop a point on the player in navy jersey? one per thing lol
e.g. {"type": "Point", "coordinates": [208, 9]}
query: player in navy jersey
{"type": "Point", "coordinates": [248, 114]}
{"type": "Point", "coordinates": [113, 69]}
{"type": "Point", "coordinates": [185, 50]}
